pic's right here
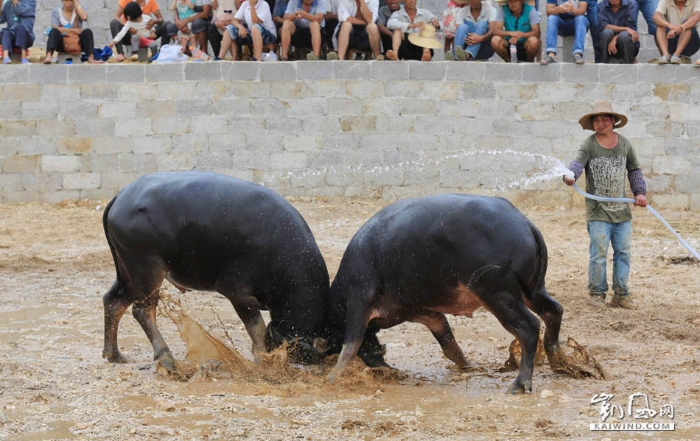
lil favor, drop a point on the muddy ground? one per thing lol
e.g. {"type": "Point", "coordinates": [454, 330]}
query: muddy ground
{"type": "Point", "coordinates": [54, 384]}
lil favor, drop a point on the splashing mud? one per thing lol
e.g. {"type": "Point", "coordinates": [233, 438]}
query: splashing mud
{"type": "Point", "coordinates": [572, 360]}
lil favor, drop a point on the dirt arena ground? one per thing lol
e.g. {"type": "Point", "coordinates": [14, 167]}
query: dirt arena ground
{"type": "Point", "coordinates": [54, 384]}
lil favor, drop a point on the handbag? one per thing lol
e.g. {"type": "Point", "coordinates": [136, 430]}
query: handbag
{"type": "Point", "coordinates": [71, 43]}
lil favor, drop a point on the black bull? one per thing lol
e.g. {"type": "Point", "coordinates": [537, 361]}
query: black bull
{"type": "Point", "coordinates": [210, 232]}
{"type": "Point", "coordinates": [418, 259]}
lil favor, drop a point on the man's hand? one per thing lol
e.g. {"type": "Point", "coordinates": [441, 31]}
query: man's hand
{"type": "Point", "coordinates": [634, 34]}
{"type": "Point", "coordinates": [640, 200]}
{"type": "Point", "coordinates": [242, 31]}
{"type": "Point", "coordinates": [569, 181]}
{"type": "Point", "coordinates": [472, 39]}
{"type": "Point", "coordinates": [612, 46]}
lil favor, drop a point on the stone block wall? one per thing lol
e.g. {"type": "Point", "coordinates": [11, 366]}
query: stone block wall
{"type": "Point", "coordinates": [386, 129]}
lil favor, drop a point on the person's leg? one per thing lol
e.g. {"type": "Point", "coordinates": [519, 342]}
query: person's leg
{"type": "Point", "coordinates": [592, 17]}
{"type": "Point", "coordinates": [396, 41]}
{"type": "Point", "coordinates": [621, 241]}
{"type": "Point", "coordinates": [479, 29]}
{"type": "Point", "coordinates": [199, 28]}
{"type": "Point", "coordinates": [344, 39]}
{"type": "Point", "coordinates": [256, 35]}
{"type": "Point", "coordinates": [214, 37]}
{"type": "Point", "coordinates": [286, 32]}
{"type": "Point", "coordinates": [228, 42]}
{"type": "Point", "coordinates": [580, 24]}
{"type": "Point", "coordinates": [605, 37]}
{"type": "Point", "coordinates": [647, 8]}
{"type": "Point", "coordinates": [328, 32]}
{"type": "Point", "coordinates": [460, 35]}
{"type": "Point", "coordinates": [662, 41]}
{"type": "Point", "coordinates": [114, 28]}
{"type": "Point", "coordinates": [373, 35]}
{"type": "Point", "coordinates": [599, 233]}
{"type": "Point", "coordinates": [409, 51]}
{"type": "Point", "coordinates": [500, 46]}
{"type": "Point", "coordinates": [532, 49]}
{"type": "Point", "coordinates": [87, 44]}
{"type": "Point", "coordinates": [626, 48]}
{"type": "Point", "coordinates": [553, 24]}
{"type": "Point", "coordinates": [52, 45]}
{"type": "Point", "coordinates": [693, 44]}
{"type": "Point", "coordinates": [316, 37]}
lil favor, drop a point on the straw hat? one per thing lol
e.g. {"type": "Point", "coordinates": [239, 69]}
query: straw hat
{"type": "Point", "coordinates": [602, 108]}
{"type": "Point", "coordinates": [426, 38]}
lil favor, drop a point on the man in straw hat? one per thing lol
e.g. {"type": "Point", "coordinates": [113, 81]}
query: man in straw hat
{"type": "Point", "coordinates": [414, 33]}
{"type": "Point", "coordinates": [519, 24]}
{"type": "Point", "coordinates": [607, 157]}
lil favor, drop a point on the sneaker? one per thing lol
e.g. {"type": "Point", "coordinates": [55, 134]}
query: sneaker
{"type": "Point", "coordinates": [332, 56]}
{"type": "Point", "coordinates": [675, 60]}
{"type": "Point", "coordinates": [460, 55]}
{"type": "Point", "coordinates": [597, 301]}
{"type": "Point", "coordinates": [624, 302]}
{"type": "Point", "coordinates": [449, 56]}
{"type": "Point", "coordinates": [311, 56]}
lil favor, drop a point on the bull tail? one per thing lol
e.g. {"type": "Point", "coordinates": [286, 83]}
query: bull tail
{"type": "Point", "coordinates": [109, 239]}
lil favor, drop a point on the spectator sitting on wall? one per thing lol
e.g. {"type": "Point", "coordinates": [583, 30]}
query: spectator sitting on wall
{"type": "Point", "coordinates": [329, 40]}
{"type": "Point", "coordinates": [385, 12]}
{"type": "Point", "coordinates": [136, 26]}
{"type": "Point", "coordinates": [449, 22]}
{"type": "Point", "coordinates": [357, 28]}
{"type": "Point", "coordinates": [474, 31]}
{"type": "Point", "coordinates": [224, 11]}
{"type": "Point", "coordinates": [566, 18]}
{"type": "Point", "coordinates": [148, 7]}
{"type": "Point", "coordinates": [676, 32]}
{"type": "Point", "coordinates": [19, 32]}
{"type": "Point", "coordinates": [199, 23]}
{"type": "Point", "coordinates": [303, 27]}
{"type": "Point", "coordinates": [252, 25]}
{"type": "Point", "coordinates": [619, 37]}
{"type": "Point", "coordinates": [519, 24]}
{"type": "Point", "coordinates": [407, 21]}
{"type": "Point", "coordinates": [69, 19]}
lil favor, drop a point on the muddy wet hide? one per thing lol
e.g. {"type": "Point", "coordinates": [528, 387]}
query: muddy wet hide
{"type": "Point", "coordinates": [572, 360]}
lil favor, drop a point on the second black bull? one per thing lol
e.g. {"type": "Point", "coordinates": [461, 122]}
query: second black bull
{"type": "Point", "coordinates": [418, 259]}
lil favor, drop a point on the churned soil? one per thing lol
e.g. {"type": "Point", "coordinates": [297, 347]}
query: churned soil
{"type": "Point", "coordinates": [55, 265]}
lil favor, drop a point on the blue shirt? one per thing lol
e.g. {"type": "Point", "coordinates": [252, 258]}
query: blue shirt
{"type": "Point", "coordinates": [626, 16]}
{"type": "Point", "coordinates": [23, 14]}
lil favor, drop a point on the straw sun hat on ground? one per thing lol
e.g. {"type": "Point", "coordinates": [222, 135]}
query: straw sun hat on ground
{"type": "Point", "coordinates": [602, 108]}
{"type": "Point", "coordinates": [426, 38]}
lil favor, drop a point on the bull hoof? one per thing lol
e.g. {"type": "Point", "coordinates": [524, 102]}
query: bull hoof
{"type": "Point", "coordinates": [115, 358]}
{"type": "Point", "coordinates": [470, 367]}
{"type": "Point", "coordinates": [167, 362]}
{"type": "Point", "coordinates": [518, 388]}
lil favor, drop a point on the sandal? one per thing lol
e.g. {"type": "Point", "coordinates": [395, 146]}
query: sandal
{"type": "Point", "coordinates": [548, 60]}
{"type": "Point", "coordinates": [578, 58]}
{"type": "Point", "coordinates": [460, 55]}
{"type": "Point", "coordinates": [663, 60]}
{"type": "Point", "coordinates": [675, 60]}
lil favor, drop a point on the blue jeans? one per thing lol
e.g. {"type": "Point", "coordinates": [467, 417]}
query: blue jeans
{"type": "Point", "coordinates": [267, 36]}
{"type": "Point", "coordinates": [620, 236]}
{"type": "Point", "coordinates": [592, 17]}
{"type": "Point", "coordinates": [647, 8]}
{"type": "Point", "coordinates": [465, 29]}
{"type": "Point", "coordinates": [577, 26]}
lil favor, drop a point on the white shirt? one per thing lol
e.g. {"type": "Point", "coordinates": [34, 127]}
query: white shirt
{"type": "Point", "coordinates": [262, 9]}
{"type": "Point", "coordinates": [140, 27]}
{"type": "Point", "coordinates": [348, 8]}
{"type": "Point", "coordinates": [401, 20]}
{"type": "Point", "coordinates": [487, 13]}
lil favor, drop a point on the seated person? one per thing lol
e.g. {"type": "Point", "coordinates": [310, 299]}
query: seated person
{"type": "Point", "coordinates": [198, 23]}
{"type": "Point", "coordinates": [566, 18]}
{"type": "Point", "coordinates": [224, 11]}
{"type": "Point", "coordinates": [449, 23]}
{"type": "Point", "coordinates": [19, 32]}
{"type": "Point", "coordinates": [474, 23]}
{"type": "Point", "coordinates": [303, 27]}
{"type": "Point", "coordinates": [65, 20]}
{"type": "Point", "coordinates": [143, 37]}
{"type": "Point", "coordinates": [407, 21]}
{"type": "Point", "coordinates": [156, 23]}
{"type": "Point", "coordinates": [385, 12]}
{"type": "Point", "coordinates": [619, 37]}
{"type": "Point", "coordinates": [676, 32]}
{"type": "Point", "coordinates": [357, 28]}
{"type": "Point", "coordinates": [519, 24]}
{"type": "Point", "coordinates": [278, 14]}
{"type": "Point", "coordinates": [329, 40]}
{"type": "Point", "coordinates": [257, 28]}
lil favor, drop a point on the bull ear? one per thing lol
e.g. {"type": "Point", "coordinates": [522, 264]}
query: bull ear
{"type": "Point", "coordinates": [321, 345]}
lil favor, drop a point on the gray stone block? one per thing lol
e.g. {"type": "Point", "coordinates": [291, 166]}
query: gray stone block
{"type": "Point", "coordinates": [457, 71]}
{"type": "Point", "coordinates": [687, 75]}
{"type": "Point", "coordinates": [239, 71]}
{"type": "Point", "coordinates": [203, 71]}
{"type": "Point", "coordinates": [388, 71]}
{"type": "Point", "coordinates": [314, 70]}
{"type": "Point", "coordinates": [39, 110]}
{"type": "Point", "coordinates": [59, 164]}
{"type": "Point", "coordinates": [655, 73]}
{"type": "Point", "coordinates": [426, 71]}
{"type": "Point", "coordinates": [277, 71]}
{"type": "Point", "coordinates": [165, 72]}
{"type": "Point", "coordinates": [503, 72]}
{"type": "Point", "coordinates": [536, 73]}
{"type": "Point", "coordinates": [351, 70]}
{"type": "Point", "coordinates": [78, 181]}
{"type": "Point", "coordinates": [14, 74]}
{"type": "Point", "coordinates": [619, 73]}
{"type": "Point", "coordinates": [86, 73]}
{"type": "Point", "coordinates": [45, 74]}
{"type": "Point", "coordinates": [126, 73]}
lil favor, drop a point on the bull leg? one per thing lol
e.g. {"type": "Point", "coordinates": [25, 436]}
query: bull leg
{"type": "Point", "coordinates": [551, 313]}
{"type": "Point", "coordinates": [440, 328]}
{"type": "Point", "coordinates": [248, 310]}
{"type": "Point", "coordinates": [358, 317]}
{"type": "Point", "coordinates": [144, 311]}
{"type": "Point", "coordinates": [371, 351]}
{"type": "Point", "coordinates": [115, 305]}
